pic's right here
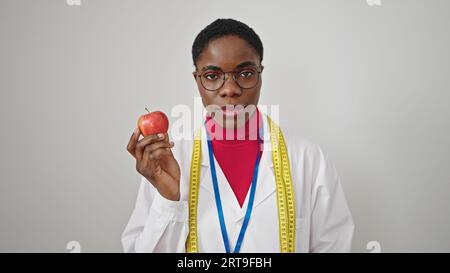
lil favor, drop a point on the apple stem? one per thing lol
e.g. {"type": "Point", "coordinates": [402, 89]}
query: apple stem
{"type": "Point", "coordinates": [147, 110]}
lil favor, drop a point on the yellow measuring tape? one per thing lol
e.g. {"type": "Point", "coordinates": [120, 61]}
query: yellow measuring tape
{"type": "Point", "coordinates": [284, 191]}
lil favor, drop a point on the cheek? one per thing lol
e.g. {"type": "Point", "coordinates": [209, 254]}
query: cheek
{"type": "Point", "coordinates": [207, 97]}
{"type": "Point", "coordinates": [201, 91]}
{"type": "Point", "coordinates": [254, 95]}
{"type": "Point", "coordinates": [199, 85]}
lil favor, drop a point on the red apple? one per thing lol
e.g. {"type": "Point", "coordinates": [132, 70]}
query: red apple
{"type": "Point", "coordinates": [153, 123]}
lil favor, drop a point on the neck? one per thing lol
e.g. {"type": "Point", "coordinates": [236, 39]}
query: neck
{"type": "Point", "coordinates": [247, 132]}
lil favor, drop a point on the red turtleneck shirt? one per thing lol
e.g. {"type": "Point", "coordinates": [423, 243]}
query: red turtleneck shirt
{"type": "Point", "coordinates": [236, 156]}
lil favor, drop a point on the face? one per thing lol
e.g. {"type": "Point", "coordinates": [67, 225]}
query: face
{"type": "Point", "coordinates": [235, 101]}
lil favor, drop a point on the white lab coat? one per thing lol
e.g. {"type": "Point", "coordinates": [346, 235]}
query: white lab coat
{"type": "Point", "coordinates": [323, 220]}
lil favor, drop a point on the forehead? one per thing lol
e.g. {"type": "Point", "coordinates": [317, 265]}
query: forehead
{"type": "Point", "coordinates": [227, 52]}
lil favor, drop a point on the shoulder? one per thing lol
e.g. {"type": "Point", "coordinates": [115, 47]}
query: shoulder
{"type": "Point", "coordinates": [311, 158]}
{"type": "Point", "coordinates": [299, 146]}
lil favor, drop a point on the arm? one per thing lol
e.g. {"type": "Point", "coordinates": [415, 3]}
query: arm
{"type": "Point", "coordinates": [159, 220]}
{"type": "Point", "coordinates": [156, 224]}
{"type": "Point", "coordinates": [331, 221]}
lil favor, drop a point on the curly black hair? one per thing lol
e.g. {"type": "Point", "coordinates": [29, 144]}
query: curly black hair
{"type": "Point", "coordinates": [224, 27]}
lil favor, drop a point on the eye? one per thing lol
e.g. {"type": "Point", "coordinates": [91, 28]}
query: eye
{"type": "Point", "coordinates": [211, 76]}
{"type": "Point", "coordinates": [246, 73]}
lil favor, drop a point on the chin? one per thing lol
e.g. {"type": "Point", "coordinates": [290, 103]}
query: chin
{"type": "Point", "coordinates": [233, 121]}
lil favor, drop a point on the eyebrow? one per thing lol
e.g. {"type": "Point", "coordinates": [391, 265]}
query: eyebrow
{"type": "Point", "coordinates": [244, 64]}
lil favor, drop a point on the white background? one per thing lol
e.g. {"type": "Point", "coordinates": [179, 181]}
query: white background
{"type": "Point", "coordinates": [369, 84]}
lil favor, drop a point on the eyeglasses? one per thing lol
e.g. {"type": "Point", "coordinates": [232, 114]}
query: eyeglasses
{"type": "Point", "coordinates": [245, 77]}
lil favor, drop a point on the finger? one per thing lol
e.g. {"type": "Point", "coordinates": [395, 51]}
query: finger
{"type": "Point", "coordinates": [133, 141]}
{"type": "Point", "coordinates": [151, 139]}
{"type": "Point", "coordinates": [151, 148]}
{"type": "Point", "coordinates": [168, 140]}
{"type": "Point", "coordinates": [156, 154]}
{"type": "Point", "coordinates": [140, 146]}
{"type": "Point", "coordinates": [148, 157]}
{"type": "Point", "coordinates": [149, 163]}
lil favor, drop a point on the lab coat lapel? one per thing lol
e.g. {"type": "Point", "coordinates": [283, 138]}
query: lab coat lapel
{"type": "Point", "coordinates": [227, 196]}
{"type": "Point", "coordinates": [266, 178]}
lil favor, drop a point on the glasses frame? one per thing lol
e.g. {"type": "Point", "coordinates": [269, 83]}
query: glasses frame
{"type": "Point", "coordinates": [258, 69]}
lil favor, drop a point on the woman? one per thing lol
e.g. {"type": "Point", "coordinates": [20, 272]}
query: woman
{"type": "Point", "coordinates": [264, 191]}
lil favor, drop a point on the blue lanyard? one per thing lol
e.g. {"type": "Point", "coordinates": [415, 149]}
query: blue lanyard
{"type": "Point", "coordinates": [219, 203]}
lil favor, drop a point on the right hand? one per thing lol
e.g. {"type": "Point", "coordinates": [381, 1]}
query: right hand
{"type": "Point", "coordinates": [155, 161]}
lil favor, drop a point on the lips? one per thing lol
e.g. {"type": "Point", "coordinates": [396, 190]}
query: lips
{"type": "Point", "coordinates": [231, 110]}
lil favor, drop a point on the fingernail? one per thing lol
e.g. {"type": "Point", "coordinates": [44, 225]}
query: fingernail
{"type": "Point", "coordinates": [171, 143]}
{"type": "Point", "coordinates": [160, 135]}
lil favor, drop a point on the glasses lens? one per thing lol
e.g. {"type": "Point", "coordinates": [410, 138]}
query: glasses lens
{"type": "Point", "coordinates": [247, 77]}
{"type": "Point", "coordinates": [212, 80]}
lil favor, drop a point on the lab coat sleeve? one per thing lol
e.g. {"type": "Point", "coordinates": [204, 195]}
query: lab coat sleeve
{"type": "Point", "coordinates": [156, 224]}
{"type": "Point", "coordinates": [331, 221]}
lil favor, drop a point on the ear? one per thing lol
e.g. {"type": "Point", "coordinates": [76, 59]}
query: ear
{"type": "Point", "coordinates": [262, 68]}
{"type": "Point", "coordinates": [195, 75]}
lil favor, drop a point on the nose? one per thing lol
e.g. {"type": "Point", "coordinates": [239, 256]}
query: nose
{"type": "Point", "coordinates": [230, 88]}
